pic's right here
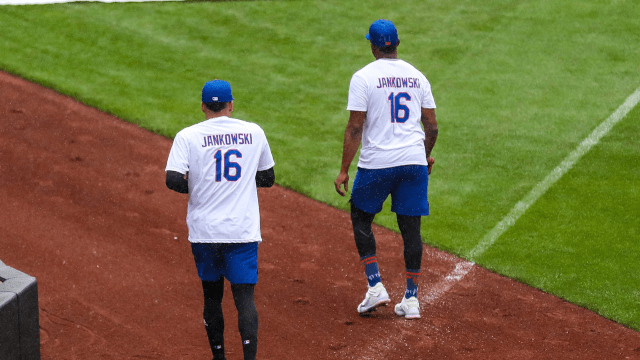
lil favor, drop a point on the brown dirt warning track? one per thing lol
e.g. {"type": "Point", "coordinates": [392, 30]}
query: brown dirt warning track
{"type": "Point", "coordinates": [85, 210]}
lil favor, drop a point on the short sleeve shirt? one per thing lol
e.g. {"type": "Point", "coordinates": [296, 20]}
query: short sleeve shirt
{"type": "Point", "coordinates": [222, 156]}
{"type": "Point", "coordinates": [392, 92]}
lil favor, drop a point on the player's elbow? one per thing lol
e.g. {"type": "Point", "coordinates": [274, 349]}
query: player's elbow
{"type": "Point", "coordinates": [355, 131]}
{"type": "Point", "coordinates": [431, 129]}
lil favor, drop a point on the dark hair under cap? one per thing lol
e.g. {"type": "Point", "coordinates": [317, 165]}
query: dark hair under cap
{"type": "Point", "coordinates": [216, 106]}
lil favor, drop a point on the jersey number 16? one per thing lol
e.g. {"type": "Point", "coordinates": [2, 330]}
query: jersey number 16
{"type": "Point", "coordinates": [228, 165]}
{"type": "Point", "coordinates": [399, 108]}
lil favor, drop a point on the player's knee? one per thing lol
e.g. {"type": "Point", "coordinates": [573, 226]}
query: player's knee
{"type": "Point", "coordinates": [409, 225]}
{"type": "Point", "coordinates": [361, 216]}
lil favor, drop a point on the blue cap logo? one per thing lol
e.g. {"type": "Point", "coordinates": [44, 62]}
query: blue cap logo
{"type": "Point", "coordinates": [216, 91]}
{"type": "Point", "coordinates": [382, 33]}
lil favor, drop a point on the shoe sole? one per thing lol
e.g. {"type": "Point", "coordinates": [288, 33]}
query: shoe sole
{"type": "Point", "coordinates": [411, 317]}
{"type": "Point", "coordinates": [408, 316]}
{"type": "Point", "coordinates": [375, 306]}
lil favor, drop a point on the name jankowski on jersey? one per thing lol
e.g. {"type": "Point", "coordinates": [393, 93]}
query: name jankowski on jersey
{"type": "Point", "coordinates": [398, 82]}
{"type": "Point", "coordinates": [227, 139]}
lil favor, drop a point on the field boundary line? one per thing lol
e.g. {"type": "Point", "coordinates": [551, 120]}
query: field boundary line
{"type": "Point", "coordinates": [463, 268]}
{"type": "Point", "coordinates": [436, 291]}
{"type": "Point", "coordinates": [542, 187]}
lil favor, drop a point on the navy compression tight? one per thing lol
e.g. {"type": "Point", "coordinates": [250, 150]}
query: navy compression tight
{"type": "Point", "coordinates": [247, 317]}
{"type": "Point", "coordinates": [409, 228]}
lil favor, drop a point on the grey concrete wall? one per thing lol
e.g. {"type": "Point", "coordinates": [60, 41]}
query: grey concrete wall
{"type": "Point", "coordinates": [19, 319]}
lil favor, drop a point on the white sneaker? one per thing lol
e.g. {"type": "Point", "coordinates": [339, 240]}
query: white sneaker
{"type": "Point", "coordinates": [376, 296]}
{"type": "Point", "coordinates": [409, 308]}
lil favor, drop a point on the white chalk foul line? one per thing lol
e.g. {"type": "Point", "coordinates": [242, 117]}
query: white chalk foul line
{"type": "Point", "coordinates": [555, 175]}
{"type": "Point", "coordinates": [521, 207]}
{"type": "Point", "coordinates": [436, 291]}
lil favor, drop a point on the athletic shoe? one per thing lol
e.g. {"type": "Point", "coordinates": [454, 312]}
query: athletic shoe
{"type": "Point", "coordinates": [376, 296]}
{"type": "Point", "coordinates": [409, 308]}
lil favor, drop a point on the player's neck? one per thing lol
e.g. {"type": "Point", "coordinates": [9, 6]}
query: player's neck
{"type": "Point", "coordinates": [212, 115]}
{"type": "Point", "coordinates": [380, 55]}
{"type": "Point", "coordinates": [208, 114]}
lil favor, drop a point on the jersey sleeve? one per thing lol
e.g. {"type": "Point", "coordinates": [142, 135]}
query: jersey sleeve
{"type": "Point", "coordinates": [357, 94]}
{"type": "Point", "coordinates": [428, 101]}
{"type": "Point", "coordinates": [266, 158]}
{"type": "Point", "coordinates": [179, 155]}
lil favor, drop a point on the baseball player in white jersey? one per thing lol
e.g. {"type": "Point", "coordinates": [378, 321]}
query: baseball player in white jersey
{"type": "Point", "coordinates": [392, 113]}
{"type": "Point", "coordinates": [220, 162]}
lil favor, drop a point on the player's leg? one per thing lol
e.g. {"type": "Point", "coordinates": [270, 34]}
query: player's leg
{"type": "Point", "coordinates": [210, 267]}
{"type": "Point", "coordinates": [369, 192]}
{"type": "Point", "coordinates": [410, 202]}
{"type": "Point", "coordinates": [409, 226]}
{"type": "Point", "coordinates": [213, 319]}
{"type": "Point", "coordinates": [247, 318]}
{"type": "Point", "coordinates": [365, 243]}
{"type": "Point", "coordinates": [241, 262]}
{"type": "Point", "coordinates": [410, 230]}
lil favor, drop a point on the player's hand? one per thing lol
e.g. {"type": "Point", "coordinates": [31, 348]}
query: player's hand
{"type": "Point", "coordinates": [430, 161]}
{"type": "Point", "coordinates": [342, 180]}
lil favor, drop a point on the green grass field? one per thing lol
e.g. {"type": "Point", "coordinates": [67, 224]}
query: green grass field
{"type": "Point", "coordinates": [518, 86]}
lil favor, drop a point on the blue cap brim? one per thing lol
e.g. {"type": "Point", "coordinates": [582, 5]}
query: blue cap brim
{"type": "Point", "coordinates": [367, 37]}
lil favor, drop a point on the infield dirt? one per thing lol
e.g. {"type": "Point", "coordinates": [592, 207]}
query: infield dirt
{"type": "Point", "coordinates": [85, 210]}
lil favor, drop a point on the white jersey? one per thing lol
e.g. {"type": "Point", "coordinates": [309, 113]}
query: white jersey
{"type": "Point", "coordinates": [392, 92]}
{"type": "Point", "coordinates": [221, 156]}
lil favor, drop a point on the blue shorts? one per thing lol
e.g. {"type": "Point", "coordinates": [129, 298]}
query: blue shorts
{"type": "Point", "coordinates": [238, 262]}
{"type": "Point", "coordinates": [407, 185]}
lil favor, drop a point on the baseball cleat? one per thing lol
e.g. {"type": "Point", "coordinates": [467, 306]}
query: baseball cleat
{"type": "Point", "coordinates": [376, 296]}
{"type": "Point", "coordinates": [409, 308]}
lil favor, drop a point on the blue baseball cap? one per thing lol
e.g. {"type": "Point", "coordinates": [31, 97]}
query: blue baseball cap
{"type": "Point", "coordinates": [216, 91]}
{"type": "Point", "coordinates": [382, 33]}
